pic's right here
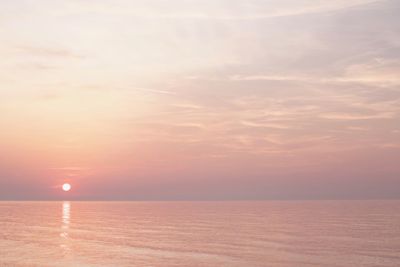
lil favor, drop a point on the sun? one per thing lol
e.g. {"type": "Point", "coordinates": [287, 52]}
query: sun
{"type": "Point", "coordinates": [66, 187]}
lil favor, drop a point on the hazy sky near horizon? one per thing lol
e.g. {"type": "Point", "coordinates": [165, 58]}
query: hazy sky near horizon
{"type": "Point", "coordinates": [200, 99]}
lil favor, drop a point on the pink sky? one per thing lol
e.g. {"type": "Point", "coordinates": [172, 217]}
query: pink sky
{"type": "Point", "coordinates": [208, 99]}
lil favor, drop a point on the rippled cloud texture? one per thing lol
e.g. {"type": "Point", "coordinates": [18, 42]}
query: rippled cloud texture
{"type": "Point", "coordinates": [210, 99]}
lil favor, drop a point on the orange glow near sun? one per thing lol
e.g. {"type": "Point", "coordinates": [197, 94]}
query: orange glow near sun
{"type": "Point", "coordinates": [66, 187]}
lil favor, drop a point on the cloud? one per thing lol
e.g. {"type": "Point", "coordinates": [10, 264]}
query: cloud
{"type": "Point", "coordinates": [265, 125]}
{"type": "Point", "coordinates": [154, 91]}
{"type": "Point", "coordinates": [70, 168]}
{"type": "Point", "coordinates": [47, 52]}
{"type": "Point", "coordinates": [346, 116]}
{"type": "Point", "coordinates": [216, 10]}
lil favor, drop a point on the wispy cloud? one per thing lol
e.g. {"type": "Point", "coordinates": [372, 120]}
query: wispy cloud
{"type": "Point", "coordinates": [47, 52]}
{"type": "Point", "coordinates": [214, 11]}
{"type": "Point", "coordinates": [154, 91]}
{"type": "Point", "coordinates": [346, 116]}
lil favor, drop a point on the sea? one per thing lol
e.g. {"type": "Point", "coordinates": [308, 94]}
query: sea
{"type": "Point", "coordinates": [212, 234]}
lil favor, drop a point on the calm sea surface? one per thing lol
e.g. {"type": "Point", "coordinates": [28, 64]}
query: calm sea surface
{"type": "Point", "coordinates": [245, 234]}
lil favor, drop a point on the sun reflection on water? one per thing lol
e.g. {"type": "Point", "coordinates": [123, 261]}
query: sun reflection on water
{"type": "Point", "coordinates": [66, 216]}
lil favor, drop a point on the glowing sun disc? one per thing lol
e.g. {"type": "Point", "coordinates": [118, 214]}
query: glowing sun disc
{"type": "Point", "coordinates": [66, 187]}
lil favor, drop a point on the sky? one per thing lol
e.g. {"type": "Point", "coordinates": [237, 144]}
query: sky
{"type": "Point", "coordinates": [199, 99]}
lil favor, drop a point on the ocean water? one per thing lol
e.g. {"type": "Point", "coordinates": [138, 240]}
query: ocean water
{"type": "Point", "coordinates": [245, 234]}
